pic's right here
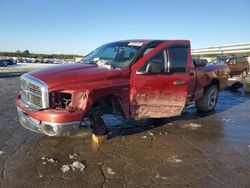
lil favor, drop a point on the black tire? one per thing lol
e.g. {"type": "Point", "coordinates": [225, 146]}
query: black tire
{"type": "Point", "coordinates": [244, 74]}
{"type": "Point", "coordinates": [209, 100]}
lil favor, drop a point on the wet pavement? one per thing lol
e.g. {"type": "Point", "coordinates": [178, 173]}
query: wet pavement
{"type": "Point", "coordinates": [194, 150]}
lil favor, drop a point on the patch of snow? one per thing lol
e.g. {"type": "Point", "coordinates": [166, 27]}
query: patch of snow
{"type": "Point", "coordinates": [65, 168]}
{"type": "Point", "coordinates": [110, 171]}
{"type": "Point", "coordinates": [160, 177]}
{"type": "Point", "coordinates": [226, 120]}
{"type": "Point", "coordinates": [192, 126]}
{"type": "Point", "coordinates": [32, 65]}
{"type": "Point", "coordinates": [51, 160]}
{"type": "Point", "coordinates": [73, 156]}
{"type": "Point", "coordinates": [174, 159]}
{"type": "Point", "coordinates": [112, 120]}
{"type": "Point", "coordinates": [48, 159]}
{"type": "Point", "coordinates": [77, 165]}
{"type": "Point", "coordinates": [150, 133]}
{"type": "Point", "coordinates": [233, 79]}
{"type": "Point", "coordinates": [1, 152]}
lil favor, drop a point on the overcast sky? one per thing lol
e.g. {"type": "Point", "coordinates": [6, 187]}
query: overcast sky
{"type": "Point", "coordinates": [79, 26]}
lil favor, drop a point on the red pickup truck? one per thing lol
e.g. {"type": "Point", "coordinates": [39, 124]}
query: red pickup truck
{"type": "Point", "coordinates": [136, 78]}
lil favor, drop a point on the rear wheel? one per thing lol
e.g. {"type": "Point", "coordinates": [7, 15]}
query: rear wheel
{"type": "Point", "coordinates": [244, 74]}
{"type": "Point", "coordinates": [209, 100]}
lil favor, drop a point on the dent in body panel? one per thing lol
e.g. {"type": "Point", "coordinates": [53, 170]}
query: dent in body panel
{"type": "Point", "coordinates": [157, 106]}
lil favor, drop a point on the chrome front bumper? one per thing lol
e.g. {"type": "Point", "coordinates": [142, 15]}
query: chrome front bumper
{"type": "Point", "coordinates": [48, 128]}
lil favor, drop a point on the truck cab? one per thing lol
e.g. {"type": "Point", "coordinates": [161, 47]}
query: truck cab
{"type": "Point", "coordinates": [134, 78]}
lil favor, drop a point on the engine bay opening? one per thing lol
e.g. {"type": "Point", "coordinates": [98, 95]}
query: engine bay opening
{"type": "Point", "coordinates": [60, 100]}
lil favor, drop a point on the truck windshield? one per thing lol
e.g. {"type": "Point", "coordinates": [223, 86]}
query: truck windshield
{"type": "Point", "coordinates": [115, 55]}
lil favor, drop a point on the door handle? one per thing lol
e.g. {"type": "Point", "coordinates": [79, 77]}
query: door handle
{"type": "Point", "coordinates": [182, 82]}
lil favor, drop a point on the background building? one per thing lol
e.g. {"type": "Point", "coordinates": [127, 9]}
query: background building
{"type": "Point", "coordinates": [242, 49]}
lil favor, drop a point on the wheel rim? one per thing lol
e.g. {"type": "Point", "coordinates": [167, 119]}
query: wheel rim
{"type": "Point", "coordinates": [212, 98]}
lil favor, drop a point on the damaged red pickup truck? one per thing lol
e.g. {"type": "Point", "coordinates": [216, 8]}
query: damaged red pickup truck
{"type": "Point", "coordinates": [136, 78]}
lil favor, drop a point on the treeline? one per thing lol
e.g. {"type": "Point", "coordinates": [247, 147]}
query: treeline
{"type": "Point", "coordinates": [27, 54]}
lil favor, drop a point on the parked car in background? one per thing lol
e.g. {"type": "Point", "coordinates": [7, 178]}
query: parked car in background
{"type": "Point", "coordinates": [3, 63]}
{"type": "Point", "coordinates": [7, 61]}
{"type": "Point", "coordinates": [237, 65]}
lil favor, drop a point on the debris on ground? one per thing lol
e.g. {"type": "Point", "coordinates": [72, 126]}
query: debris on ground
{"type": "Point", "coordinates": [48, 159]}
{"type": "Point", "coordinates": [192, 126]}
{"type": "Point", "coordinates": [144, 137]}
{"type": "Point", "coordinates": [73, 156]}
{"type": "Point", "coordinates": [174, 159]}
{"type": "Point", "coordinates": [76, 165]}
{"type": "Point", "coordinates": [170, 124]}
{"type": "Point", "coordinates": [110, 171]}
{"type": "Point", "coordinates": [103, 64]}
{"type": "Point", "coordinates": [166, 132]}
{"type": "Point", "coordinates": [1, 152]}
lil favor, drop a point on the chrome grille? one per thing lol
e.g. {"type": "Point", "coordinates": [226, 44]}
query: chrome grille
{"type": "Point", "coordinates": [34, 92]}
{"type": "Point", "coordinates": [34, 88]}
{"type": "Point", "coordinates": [37, 100]}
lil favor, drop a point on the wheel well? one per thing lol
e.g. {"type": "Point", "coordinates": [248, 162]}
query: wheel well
{"type": "Point", "coordinates": [215, 82]}
{"type": "Point", "coordinates": [108, 105]}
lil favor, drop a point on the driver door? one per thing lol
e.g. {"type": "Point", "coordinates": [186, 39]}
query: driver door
{"type": "Point", "coordinates": [159, 81]}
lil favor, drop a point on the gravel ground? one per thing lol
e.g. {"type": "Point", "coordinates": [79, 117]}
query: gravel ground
{"type": "Point", "coordinates": [194, 150]}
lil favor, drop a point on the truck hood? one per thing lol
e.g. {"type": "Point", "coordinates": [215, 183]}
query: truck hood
{"type": "Point", "coordinates": [59, 75]}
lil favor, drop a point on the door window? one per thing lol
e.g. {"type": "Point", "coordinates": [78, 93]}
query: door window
{"type": "Point", "coordinates": [156, 64]}
{"type": "Point", "coordinates": [171, 60]}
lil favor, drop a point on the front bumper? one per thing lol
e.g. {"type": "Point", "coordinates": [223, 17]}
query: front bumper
{"type": "Point", "coordinates": [48, 128]}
